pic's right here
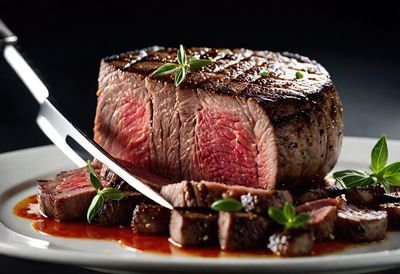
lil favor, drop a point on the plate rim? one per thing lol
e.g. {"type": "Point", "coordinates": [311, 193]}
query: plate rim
{"type": "Point", "coordinates": [384, 258]}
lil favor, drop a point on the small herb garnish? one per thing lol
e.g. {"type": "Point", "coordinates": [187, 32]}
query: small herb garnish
{"type": "Point", "coordinates": [106, 193]}
{"type": "Point", "coordinates": [299, 75]}
{"type": "Point", "coordinates": [287, 216]}
{"type": "Point", "coordinates": [264, 73]}
{"type": "Point", "coordinates": [183, 66]}
{"type": "Point", "coordinates": [227, 204]}
{"type": "Point", "coordinates": [382, 174]}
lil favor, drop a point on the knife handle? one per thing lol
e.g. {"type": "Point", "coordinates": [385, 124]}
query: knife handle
{"type": "Point", "coordinates": [6, 35]}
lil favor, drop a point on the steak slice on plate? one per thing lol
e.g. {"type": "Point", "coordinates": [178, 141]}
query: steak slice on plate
{"type": "Point", "coordinates": [188, 228]}
{"type": "Point", "coordinates": [360, 224]}
{"type": "Point", "coordinates": [292, 242]}
{"type": "Point", "coordinates": [239, 230]}
{"type": "Point", "coordinates": [224, 122]}
{"type": "Point", "coordinates": [318, 193]}
{"type": "Point", "coordinates": [119, 213]}
{"type": "Point", "coordinates": [202, 194]}
{"type": "Point", "coordinates": [150, 219]}
{"type": "Point", "coordinates": [323, 215]}
{"type": "Point", "coordinates": [393, 212]}
{"type": "Point", "coordinates": [67, 197]}
{"type": "Point", "coordinates": [364, 196]}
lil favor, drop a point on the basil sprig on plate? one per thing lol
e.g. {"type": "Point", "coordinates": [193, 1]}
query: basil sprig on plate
{"type": "Point", "coordinates": [385, 175]}
{"type": "Point", "coordinates": [227, 204]}
{"type": "Point", "coordinates": [102, 193]}
{"type": "Point", "coordinates": [287, 216]}
{"type": "Point", "coordinates": [182, 67]}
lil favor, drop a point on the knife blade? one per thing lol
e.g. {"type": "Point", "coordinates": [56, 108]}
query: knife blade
{"type": "Point", "coordinates": [58, 129]}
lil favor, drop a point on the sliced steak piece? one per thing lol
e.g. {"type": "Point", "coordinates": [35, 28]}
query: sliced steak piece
{"type": "Point", "coordinates": [318, 193]}
{"type": "Point", "coordinates": [241, 230]}
{"type": "Point", "coordinates": [393, 212]}
{"type": "Point", "coordinates": [150, 219]}
{"type": "Point", "coordinates": [313, 205]}
{"type": "Point", "coordinates": [67, 197]}
{"type": "Point", "coordinates": [323, 216]}
{"type": "Point", "coordinates": [188, 228]}
{"type": "Point", "coordinates": [224, 122]}
{"type": "Point", "coordinates": [202, 194]}
{"type": "Point", "coordinates": [293, 242]}
{"type": "Point", "coordinates": [322, 222]}
{"type": "Point", "coordinates": [364, 196]}
{"type": "Point", "coordinates": [119, 213]}
{"type": "Point", "coordinates": [361, 225]}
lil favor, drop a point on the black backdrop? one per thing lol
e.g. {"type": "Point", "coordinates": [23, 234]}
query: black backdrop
{"type": "Point", "coordinates": [358, 44]}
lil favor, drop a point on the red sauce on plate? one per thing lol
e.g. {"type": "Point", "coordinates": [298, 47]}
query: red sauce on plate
{"type": "Point", "coordinates": [125, 236]}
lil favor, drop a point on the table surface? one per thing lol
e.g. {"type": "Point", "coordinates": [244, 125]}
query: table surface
{"type": "Point", "coordinates": [357, 50]}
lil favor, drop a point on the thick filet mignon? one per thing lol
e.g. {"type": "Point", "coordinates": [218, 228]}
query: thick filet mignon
{"type": "Point", "coordinates": [225, 122]}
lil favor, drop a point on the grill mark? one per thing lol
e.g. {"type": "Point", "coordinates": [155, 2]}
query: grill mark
{"type": "Point", "coordinates": [142, 55]}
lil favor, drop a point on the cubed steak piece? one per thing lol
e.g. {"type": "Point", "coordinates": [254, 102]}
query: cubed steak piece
{"type": "Point", "coordinates": [190, 229]}
{"type": "Point", "coordinates": [119, 213]}
{"type": "Point", "coordinates": [67, 197]}
{"type": "Point", "coordinates": [202, 194]}
{"type": "Point", "coordinates": [368, 196]}
{"type": "Point", "coordinates": [293, 242]}
{"type": "Point", "coordinates": [360, 224]}
{"type": "Point", "coordinates": [150, 219]}
{"type": "Point", "coordinates": [323, 217]}
{"type": "Point", "coordinates": [238, 230]}
{"type": "Point", "coordinates": [393, 212]}
{"type": "Point", "coordinates": [225, 122]}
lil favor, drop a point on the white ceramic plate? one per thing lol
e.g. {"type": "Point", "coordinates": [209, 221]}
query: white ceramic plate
{"type": "Point", "coordinates": [19, 169]}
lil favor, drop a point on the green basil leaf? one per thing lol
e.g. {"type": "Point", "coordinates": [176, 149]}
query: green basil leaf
{"type": "Point", "coordinates": [390, 169]}
{"type": "Point", "coordinates": [227, 204]}
{"type": "Point", "coordinates": [181, 56]}
{"type": "Point", "coordinates": [180, 75]}
{"type": "Point", "coordinates": [277, 215]}
{"type": "Point", "coordinates": [353, 178]}
{"type": "Point", "coordinates": [95, 206]}
{"type": "Point", "coordinates": [289, 211]}
{"type": "Point", "coordinates": [379, 155]}
{"type": "Point", "coordinates": [300, 220]}
{"type": "Point", "coordinates": [112, 193]}
{"type": "Point", "coordinates": [94, 180]}
{"type": "Point", "coordinates": [264, 73]}
{"type": "Point", "coordinates": [199, 63]}
{"type": "Point", "coordinates": [299, 75]}
{"type": "Point", "coordinates": [393, 179]}
{"type": "Point", "coordinates": [165, 69]}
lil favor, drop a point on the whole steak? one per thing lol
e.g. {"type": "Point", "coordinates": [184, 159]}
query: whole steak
{"type": "Point", "coordinates": [225, 122]}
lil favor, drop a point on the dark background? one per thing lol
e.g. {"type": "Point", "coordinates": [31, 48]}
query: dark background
{"type": "Point", "coordinates": [357, 43]}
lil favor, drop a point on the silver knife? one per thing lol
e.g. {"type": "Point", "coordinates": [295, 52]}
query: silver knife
{"type": "Point", "coordinates": [59, 130]}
